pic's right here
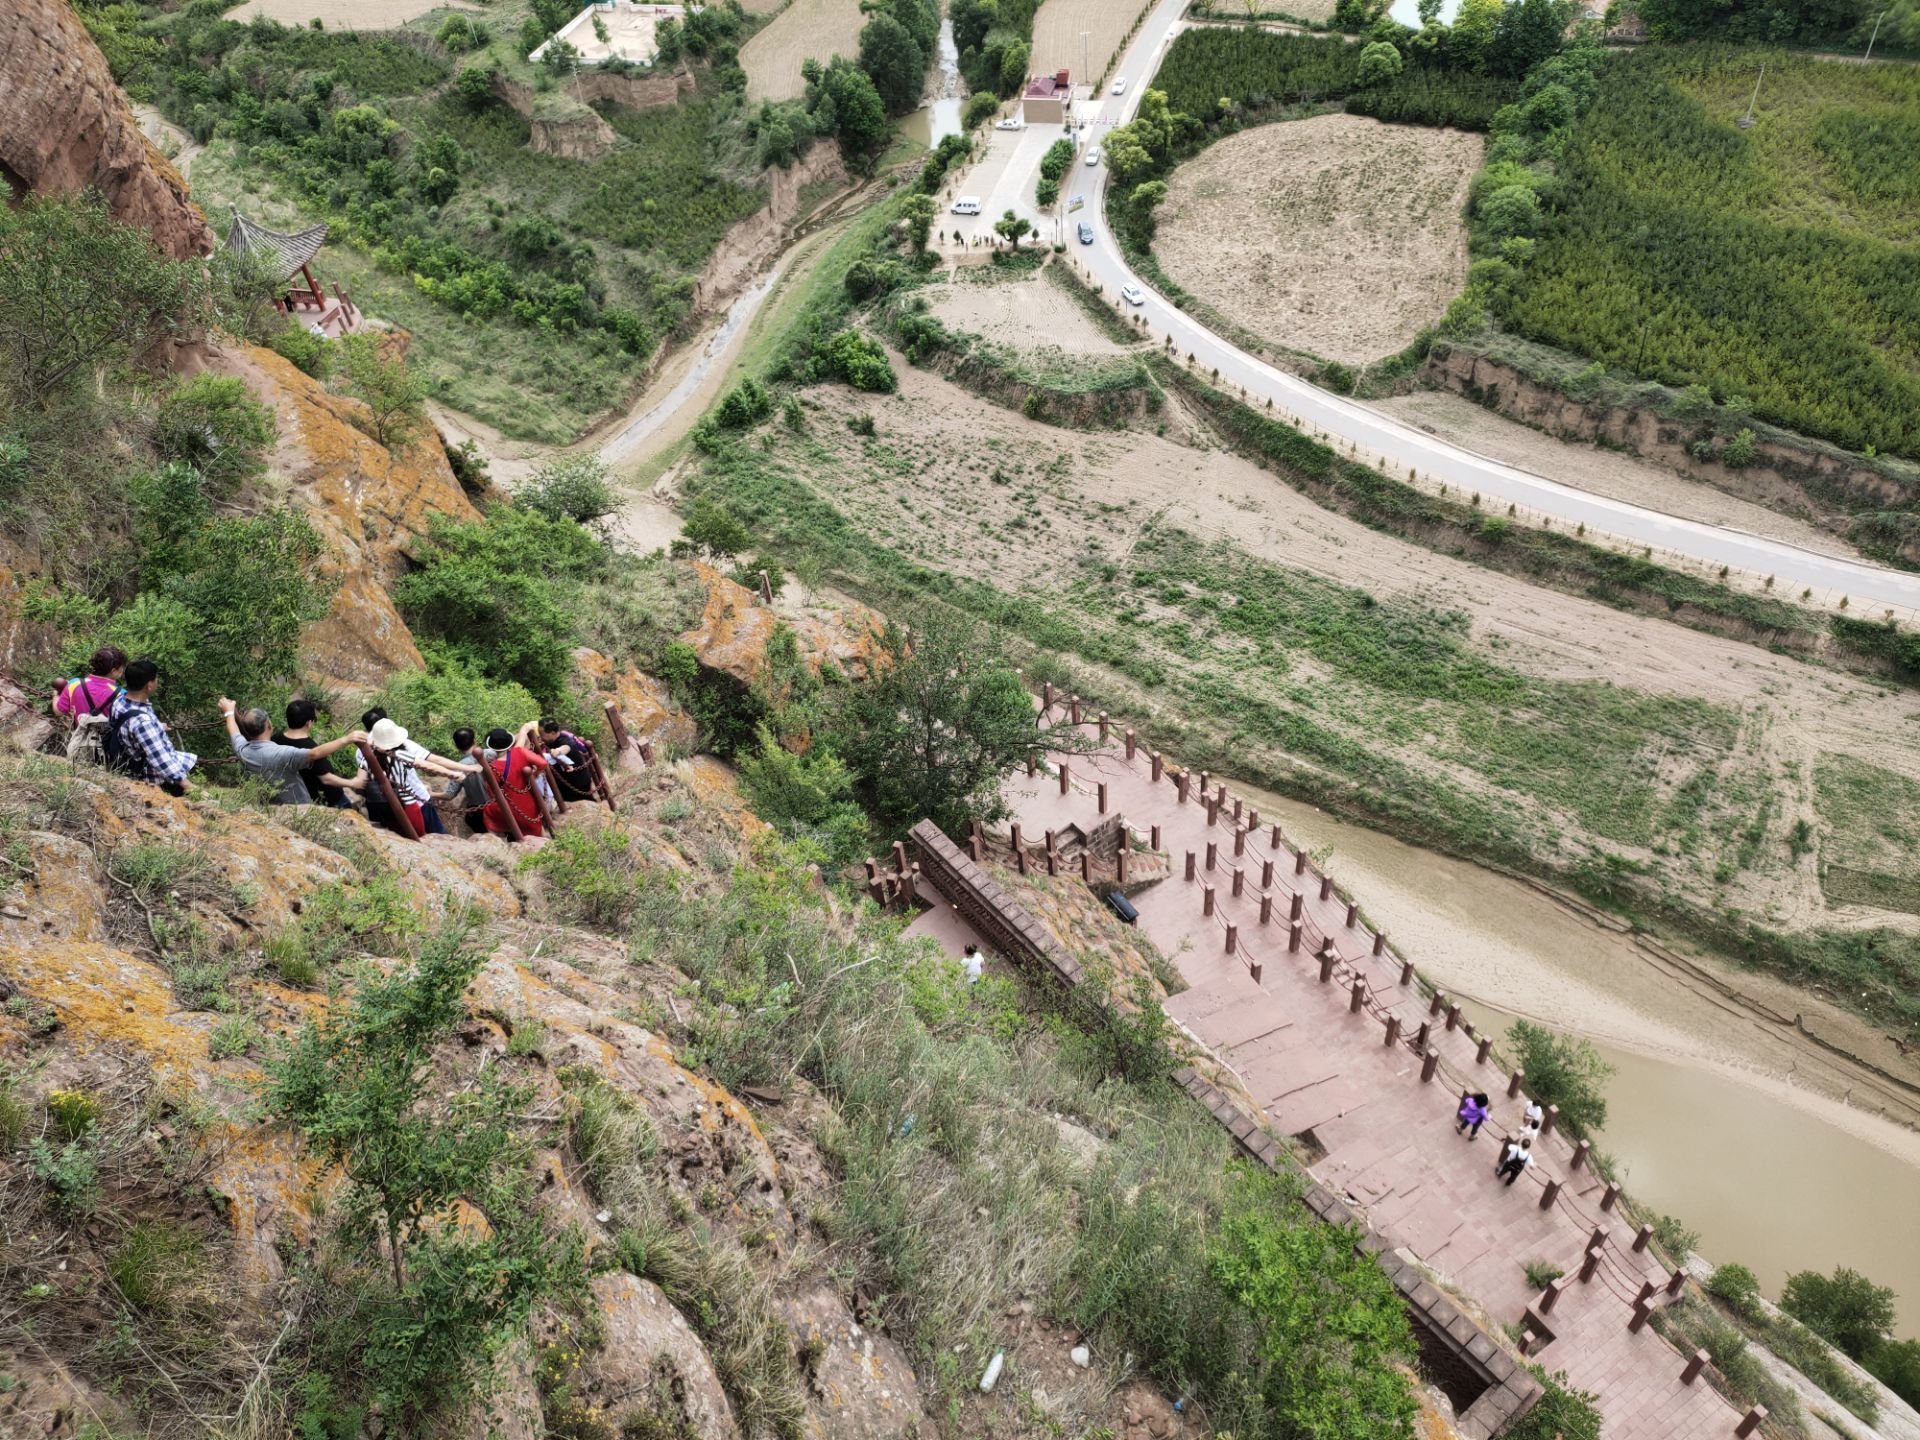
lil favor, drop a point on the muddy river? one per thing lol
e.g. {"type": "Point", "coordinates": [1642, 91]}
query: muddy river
{"type": "Point", "coordinates": [939, 117]}
{"type": "Point", "coordinates": [1778, 1154]}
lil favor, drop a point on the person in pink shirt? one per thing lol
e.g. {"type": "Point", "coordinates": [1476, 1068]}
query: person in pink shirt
{"type": "Point", "coordinates": [92, 693]}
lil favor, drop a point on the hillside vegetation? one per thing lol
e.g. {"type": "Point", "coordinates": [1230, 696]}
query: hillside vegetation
{"type": "Point", "coordinates": [538, 286]}
{"type": "Point", "coordinates": [1775, 265]}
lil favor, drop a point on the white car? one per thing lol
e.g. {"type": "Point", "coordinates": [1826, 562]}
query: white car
{"type": "Point", "coordinates": [1012, 122]}
{"type": "Point", "coordinates": [1133, 295]}
{"type": "Point", "coordinates": [1093, 156]}
{"type": "Point", "coordinates": [1120, 86]}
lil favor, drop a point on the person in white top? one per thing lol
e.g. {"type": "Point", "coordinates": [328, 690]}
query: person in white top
{"type": "Point", "coordinates": [1534, 1115]}
{"type": "Point", "coordinates": [975, 963]}
{"type": "Point", "coordinates": [1517, 1156]}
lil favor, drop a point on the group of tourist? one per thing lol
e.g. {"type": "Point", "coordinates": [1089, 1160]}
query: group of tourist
{"type": "Point", "coordinates": [1517, 1154]}
{"type": "Point", "coordinates": [538, 769]}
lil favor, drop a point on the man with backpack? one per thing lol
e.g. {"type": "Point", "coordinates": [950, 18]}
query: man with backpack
{"type": "Point", "coordinates": [136, 743]}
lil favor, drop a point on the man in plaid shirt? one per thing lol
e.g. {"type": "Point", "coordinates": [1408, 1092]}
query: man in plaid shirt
{"type": "Point", "coordinates": [146, 749]}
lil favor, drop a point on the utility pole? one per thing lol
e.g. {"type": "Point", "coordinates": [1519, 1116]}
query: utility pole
{"type": "Point", "coordinates": [1876, 34]}
{"type": "Point", "coordinates": [1745, 122]}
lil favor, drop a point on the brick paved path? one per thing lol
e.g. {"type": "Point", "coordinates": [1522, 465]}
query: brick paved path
{"type": "Point", "coordinates": [1319, 1065]}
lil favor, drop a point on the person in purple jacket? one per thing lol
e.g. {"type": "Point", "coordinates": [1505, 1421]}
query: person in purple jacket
{"type": "Point", "coordinates": [1471, 1115]}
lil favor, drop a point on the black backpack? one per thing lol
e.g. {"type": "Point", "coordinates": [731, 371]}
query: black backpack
{"type": "Point", "coordinates": [113, 745]}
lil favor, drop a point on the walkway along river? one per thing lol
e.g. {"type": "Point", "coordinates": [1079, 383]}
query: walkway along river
{"type": "Point", "coordinates": [1736, 1127]}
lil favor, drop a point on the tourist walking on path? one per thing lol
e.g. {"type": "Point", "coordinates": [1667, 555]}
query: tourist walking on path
{"type": "Point", "coordinates": [282, 766]}
{"type": "Point", "coordinates": [137, 742]}
{"type": "Point", "coordinates": [975, 964]}
{"type": "Point", "coordinates": [1471, 1115]}
{"type": "Point", "coordinates": [1531, 1121]}
{"type": "Point", "coordinates": [1517, 1156]}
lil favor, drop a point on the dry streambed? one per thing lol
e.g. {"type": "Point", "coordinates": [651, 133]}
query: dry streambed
{"type": "Point", "coordinates": [1336, 235]}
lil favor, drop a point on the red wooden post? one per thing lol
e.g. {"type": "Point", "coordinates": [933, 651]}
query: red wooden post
{"type": "Point", "coordinates": [617, 726]}
{"type": "Point", "coordinates": [1698, 1363]}
{"type": "Point", "coordinates": [1359, 997]}
{"type": "Point", "coordinates": [1132, 744]}
{"type": "Point", "coordinates": [1233, 938]}
{"type": "Point", "coordinates": [1550, 1194]}
{"type": "Point", "coordinates": [1406, 970]}
{"type": "Point", "coordinates": [490, 782]}
{"type": "Point", "coordinates": [377, 768]}
{"type": "Point", "coordinates": [1153, 839]}
{"type": "Point", "coordinates": [1266, 909]}
{"type": "Point", "coordinates": [1428, 1066]}
{"type": "Point", "coordinates": [1393, 1031]}
{"type": "Point", "coordinates": [1518, 1079]}
{"type": "Point", "coordinates": [1206, 899]}
{"type": "Point", "coordinates": [600, 776]}
{"type": "Point", "coordinates": [1159, 767]}
{"type": "Point", "coordinates": [1103, 797]}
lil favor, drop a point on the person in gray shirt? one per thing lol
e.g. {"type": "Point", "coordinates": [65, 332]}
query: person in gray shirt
{"type": "Point", "coordinates": [279, 765]}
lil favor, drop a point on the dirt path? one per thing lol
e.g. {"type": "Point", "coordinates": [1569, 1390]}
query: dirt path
{"type": "Point", "coordinates": [1337, 235]}
{"type": "Point", "coordinates": [1604, 472]}
{"type": "Point", "coordinates": [169, 139]}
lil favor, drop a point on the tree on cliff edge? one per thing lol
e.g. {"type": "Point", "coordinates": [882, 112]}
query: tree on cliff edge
{"type": "Point", "coordinates": [944, 720]}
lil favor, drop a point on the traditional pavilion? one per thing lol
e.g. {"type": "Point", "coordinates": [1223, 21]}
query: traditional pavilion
{"type": "Point", "coordinates": [287, 256]}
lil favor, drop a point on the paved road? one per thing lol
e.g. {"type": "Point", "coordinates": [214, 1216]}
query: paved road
{"type": "Point", "coordinates": [1399, 447]}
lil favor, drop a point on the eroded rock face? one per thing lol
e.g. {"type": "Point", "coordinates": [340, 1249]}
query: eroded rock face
{"type": "Point", "coordinates": [736, 627]}
{"type": "Point", "coordinates": [65, 127]}
{"type": "Point", "coordinates": [652, 1362]}
{"type": "Point", "coordinates": [368, 503]}
{"type": "Point", "coordinates": [646, 709]}
{"type": "Point", "coordinates": [860, 1385]}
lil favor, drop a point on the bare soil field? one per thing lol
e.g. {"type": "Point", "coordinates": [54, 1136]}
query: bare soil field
{"type": "Point", "coordinates": [346, 14]}
{"type": "Point", "coordinates": [806, 29]}
{"type": "Point", "coordinates": [1337, 235]}
{"type": "Point", "coordinates": [1056, 34]}
{"type": "Point", "coordinates": [761, 7]}
{"type": "Point", "coordinates": [1603, 472]}
{"type": "Point", "coordinates": [959, 484]}
{"type": "Point", "coordinates": [1029, 314]}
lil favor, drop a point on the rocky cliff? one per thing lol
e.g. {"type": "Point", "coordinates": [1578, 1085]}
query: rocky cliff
{"type": "Point", "coordinates": [65, 126]}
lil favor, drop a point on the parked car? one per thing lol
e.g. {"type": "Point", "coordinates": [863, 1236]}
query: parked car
{"type": "Point", "coordinates": [1086, 233]}
{"type": "Point", "coordinates": [1120, 86]}
{"type": "Point", "coordinates": [1012, 122]}
{"type": "Point", "coordinates": [1093, 156]}
{"type": "Point", "coordinates": [967, 205]}
{"type": "Point", "coordinates": [1133, 295]}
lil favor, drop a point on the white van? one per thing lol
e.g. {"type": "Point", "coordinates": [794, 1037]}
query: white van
{"type": "Point", "coordinates": [967, 205]}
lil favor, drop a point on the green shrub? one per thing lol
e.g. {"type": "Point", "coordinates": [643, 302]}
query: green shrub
{"type": "Point", "coordinates": [589, 875]}
{"type": "Point", "coordinates": [806, 797]}
{"type": "Point", "coordinates": [747, 404]}
{"type": "Point", "coordinates": [573, 487]}
{"type": "Point", "coordinates": [1896, 1364]}
{"type": "Point", "coordinates": [71, 1175]}
{"type": "Point", "coordinates": [854, 359]}
{"type": "Point", "coordinates": [1541, 1274]}
{"type": "Point", "coordinates": [152, 1261]}
{"type": "Point", "coordinates": [1562, 1413]}
{"type": "Point", "coordinates": [1563, 1070]}
{"type": "Point", "coordinates": [449, 693]}
{"type": "Point", "coordinates": [304, 350]}
{"type": "Point", "coordinates": [1736, 1285]}
{"type": "Point", "coordinates": [214, 424]}
{"type": "Point", "coordinates": [1845, 1308]}
{"type": "Point", "coordinates": [74, 1113]}
{"type": "Point", "coordinates": [500, 595]}
{"type": "Point", "coordinates": [979, 109]}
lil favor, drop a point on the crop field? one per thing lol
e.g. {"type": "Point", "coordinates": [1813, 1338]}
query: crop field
{"type": "Point", "coordinates": [1256, 223]}
{"type": "Point", "coordinates": [1261, 70]}
{"type": "Point", "coordinates": [805, 30]}
{"type": "Point", "coordinates": [1779, 264]}
{"type": "Point", "coordinates": [1056, 35]}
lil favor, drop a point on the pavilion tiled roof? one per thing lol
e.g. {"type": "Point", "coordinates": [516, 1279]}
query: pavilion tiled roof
{"type": "Point", "coordinates": [286, 253]}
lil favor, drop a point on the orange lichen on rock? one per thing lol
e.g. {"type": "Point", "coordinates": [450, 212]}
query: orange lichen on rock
{"type": "Point", "coordinates": [647, 711]}
{"type": "Point", "coordinates": [713, 783]}
{"type": "Point", "coordinates": [369, 503]}
{"type": "Point", "coordinates": [106, 996]}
